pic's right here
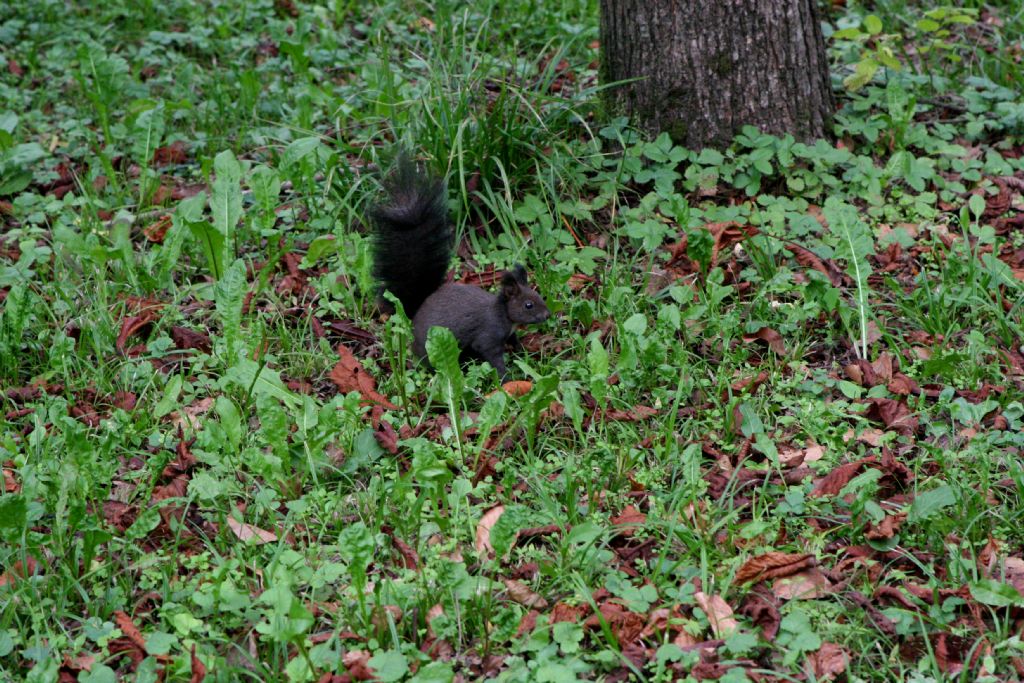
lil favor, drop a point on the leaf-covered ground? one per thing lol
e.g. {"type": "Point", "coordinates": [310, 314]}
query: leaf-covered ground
{"type": "Point", "coordinates": [772, 433]}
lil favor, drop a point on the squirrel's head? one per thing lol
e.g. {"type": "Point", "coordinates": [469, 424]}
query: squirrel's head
{"type": "Point", "coordinates": [522, 303]}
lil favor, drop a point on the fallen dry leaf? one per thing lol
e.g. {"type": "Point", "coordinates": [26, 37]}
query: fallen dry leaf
{"type": "Point", "coordinates": [634, 414]}
{"type": "Point", "coordinates": [483, 530]}
{"type": "Point", "coordinates": [517, 388]}
{"type": "Point", "coordinates": [198, 669]}
{"type": "Point", "coordinates": [519, 592]}
{"type": "Point", "coordinates": [762, 608]}
{"type": "Point", "coordinates": [11, 484]}
{"type": "Point", "coordinates": [130, 630]}
{"type": "Point", "coordinates": [357, 665]}
{"type": "Point", "coordinates": [133, 325]}
{"type": "Point", "coordinates": [794, 457]}
{"type": "Point", "coordinates": [244, 532]}
{"type": "Point", "coordinates": [895, 415]}
{"type": "Point", "coordinates": [173, 153]}
{"type": "Point", "coordinates": [809, 584]}
{"type": "Point", "coordinates": [625, 624]}
{"type": "Point", "coordinates": [723, 624]}
{"type": "Point", "coordinates": [348, 375]}
{"type": "Point", "coordinates": [188, 417]}
{"type": "Point", "coordinates": [78, 663]}
{"type": "Point", "coordinates": [809, 259]}
{"type": "Point", "coordinates": [870, 435]}
{"type": "Point", "coordinates": [827, 663]}
{"type": "Point", "coordinates": [156, 232]}
{"type": "Point", "coordinates": [773, 565]}
{"type": "Point", "coordinates": [887, 528]}
{"type": "Point", "coordinates": [833, 482]}
{"type": "Point", "coordinates": [769, 337]}
{"type": "Point", "coordinates": [629, 520]}
{"type": "Point", "coordinates": [726, 235]}
{"type": "Point", "coordinates": [410, 559]}
{"type": "Point", "coordinates": [19, 570]}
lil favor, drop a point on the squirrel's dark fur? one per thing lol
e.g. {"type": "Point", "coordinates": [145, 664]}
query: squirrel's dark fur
{"type": "Point", "coordinates": [412, 246]}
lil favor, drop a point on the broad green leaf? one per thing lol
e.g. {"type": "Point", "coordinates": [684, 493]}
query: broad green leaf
{"type": "Point", "coordinates": [15, 174]}
{"type": "Point", "coordinates": [434, 672]}
{"type": "Point", "coordinates": [848, 34]}
{"type": "Point", "coordinates": [169, 401]}
{"type": "Point", "coordinates": [230, 419]}
{"type": "Point", "coordinates": [636, 324]}
{"type": "Point", "coordinates": [248, 374]}
{"type": "Point", "coordinates": [147, 133]}
{"type": "Point", "coordinates": [274, 424]}
{"type": "Point", "coordinates": [190, 210]}
{"type": "Point", "coordinates": [977, 205]}
{"type": "Point", "coordinates": [356, 545]}
{"type": "Point", "coordinates": [996, 593]}
{"type": "Point", "coordinates": [226, 195]}
{"type": "Point", "coordinates": [862, 75]}
{"type": "Point", "coordinates": [229, 296]}
{"type": "Point", "coordinates": [872, 24]}
{"type": "Point", "coordinates": [389, 665]}
{"type": "Point", "coordinates": [443, 353]}
{"type": "Point", "coordinates": [320, 247]}
{"type": "Point", "coordinates": [855, 244]}
{"type": "Point", "coordinates": [298, 150]}
{"type": "Point", "coordinates": [212, 243]}
{"type": "Point", "coordinates": [8, 121]}
{"type": "Point", "coordinates": [598, 364]}
{"type": "Point", "coordinates": [265, 183]}
{"type": "Point", "coordinates": [928, 503]}
{"type": "Point", "coordinates": [13, 511]}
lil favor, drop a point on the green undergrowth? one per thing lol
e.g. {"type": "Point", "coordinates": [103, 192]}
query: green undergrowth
{"type": "Point", "coordinates": [220, 459]}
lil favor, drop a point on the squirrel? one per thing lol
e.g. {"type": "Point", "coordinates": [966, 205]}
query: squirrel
{"type": "Point", "coordinates": [411, 244]}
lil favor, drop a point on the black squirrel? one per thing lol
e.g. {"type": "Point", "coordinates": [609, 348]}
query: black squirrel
{"type": "Point", "coordinates": [412, 246]}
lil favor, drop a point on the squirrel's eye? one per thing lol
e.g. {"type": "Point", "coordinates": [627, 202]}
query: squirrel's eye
{"type": "Point", "coordinates": [529, 304]}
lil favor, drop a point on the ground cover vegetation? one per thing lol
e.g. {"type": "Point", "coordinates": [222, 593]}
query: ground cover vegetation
{"type": "Point", "coordinates": [772, 432]}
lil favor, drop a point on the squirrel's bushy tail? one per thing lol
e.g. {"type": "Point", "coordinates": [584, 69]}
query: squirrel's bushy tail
{"type": "Point", "coordinates": [412, 236]}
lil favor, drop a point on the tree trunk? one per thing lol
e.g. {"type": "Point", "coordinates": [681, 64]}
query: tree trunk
{"type": "Point", "coordinates": [709, 67]}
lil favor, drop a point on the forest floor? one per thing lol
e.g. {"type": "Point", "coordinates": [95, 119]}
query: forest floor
{"type": "Point", "coordinates": [772, 431]}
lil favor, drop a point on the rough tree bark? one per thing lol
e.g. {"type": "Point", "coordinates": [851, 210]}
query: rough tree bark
{"type": "Point", "coordinates": [709, 67]}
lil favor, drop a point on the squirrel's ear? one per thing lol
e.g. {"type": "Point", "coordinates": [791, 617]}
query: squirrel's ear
{"type": "Point", "coordinates": [519, 273]}
{"type": "Point", "coordinates": [509, 284]}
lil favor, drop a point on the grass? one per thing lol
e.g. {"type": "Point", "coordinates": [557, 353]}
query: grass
{"type": "Point", "coordinates": [773, 431]}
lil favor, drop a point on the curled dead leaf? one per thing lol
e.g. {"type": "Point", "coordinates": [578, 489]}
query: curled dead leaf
{"type": "Point", "coordinates": [410, 558]}
{"type": "Point", "coordinates": [245, 532]}
{"type": "Point", "coordinates": [773, 565]}
{"type": "Point", "coordinates": [519, 592]}
{"type": "Point", "coordinates": [11, 484]}
{"type": "Point", "coordinates": [806, 585]}
{"type": "Point", "coordinates": [723, 624]}
{"type": "Point", "coordinates": [483, 530]}
{"type": "Point", "coordinates": [19, 570]}
{"type": "Point", "coordinates": [198, 669]}
{"type": "Point", "coordinates": [771, 338]}
{"type": "Point", "coordinates": [809, 259]}
{"type": "Point", "coordinates": [385, 615]}
{"type": "Point", "coordinates": [827, 663]}
{"type": "Point", "coordinates": [517, 388]}
{"type": "Point", "coordinates": [357, 665]}
{"type": "Point", "coordinates": [634, 414]}
{"type": "Point", "coordinates": [833, 482]}
{"type": "Point", "coordinates": [433, 613]}
{"type": "Point", "coordinates": [188, 417]}
{"type": "Point", "coordinates": [134, 325]}
{"type": "Point", "coordinates": [130, 630]}
{"type": "Point", "coordinates": [348, 375]}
